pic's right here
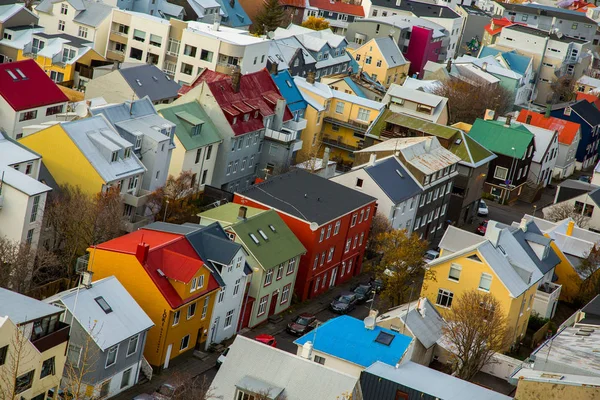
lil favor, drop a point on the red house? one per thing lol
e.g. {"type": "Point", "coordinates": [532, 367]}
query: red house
{"type": "Point", "coordinates": [331, 220]}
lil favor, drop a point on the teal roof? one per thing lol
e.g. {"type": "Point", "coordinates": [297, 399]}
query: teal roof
{"type": "Point", "coordinates": [289, 91]}
{"type": "Point", "coordinates": [516, 62]}
{"type": "Point", "coordinates": [500, 139]}
{"type": "Point", "coordinates": [185, 116]}
{"type": "Point", "coordinates": [357, 89]}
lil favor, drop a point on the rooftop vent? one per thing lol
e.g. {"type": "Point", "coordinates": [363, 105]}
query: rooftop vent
{"type": "Point", "coordinates": [138, 82]}
{"type": "Point", "coordinates": [582, 333]}
{"type": "Point", "coordinates": [399, 173]}
{"type": "Point", "coordinates": [12, 75]}
{"type": "Point", "coordinates": [155, 79]}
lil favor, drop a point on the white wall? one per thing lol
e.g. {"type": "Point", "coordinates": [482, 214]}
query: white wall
{"type": "Point", "coordinates": [187, 162]}
{"type": "Point", "coordinates": [156, 157]}
{"type": "Point", "coordinates": [335, 363]}
{"type": "Point", "coordinates": [149, 25]}
{"type": "Point", "coordinates": [9, 118]}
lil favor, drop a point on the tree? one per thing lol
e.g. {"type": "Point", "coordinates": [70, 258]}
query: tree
{"type": "Point", "coordinates": [194, 388]}
{"type": "Point", "coordinates": [379, 225]}
{"type": "Point", "coordinates": [19, 353]}
{"type": "Point", "coordinates": [401, 264]}
{"type": "Point", "coordinates": [562, 211]}
{"type": "Point", "coordinates": [316, 23]}
{"type": "Point", "coordinates": [587, 271]}
{"type": "Point", "coordinates": [476, 329]}
{"type": "Point", "coordinates": [77, 375]}
{"type": "Point", "coordinates": [174, 201]}
{"type": "Point", "coordinates": [563, 90]}
{"type": "Point", "coordinates": [269, 18]}
{"type": "Point", "coordinates": [468, 101]}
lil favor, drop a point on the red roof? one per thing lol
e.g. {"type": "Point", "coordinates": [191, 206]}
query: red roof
{"type": "Point", "coordinates": [591, 98]}
{"type": "Point", "coordinates": [497, 24]}
{"type": "Point", "coordinates": [338, 6]}
{"type": "Point", "coordinates": [257, 92]}
{"type": "Point", "coordinates": [567, 130]}
{"type": "Point", "coordinates": [24, 85]}
{"type": "Point", "coordinates": [172, 254]}
{"type": "Point", "coordinates": [293, 3]}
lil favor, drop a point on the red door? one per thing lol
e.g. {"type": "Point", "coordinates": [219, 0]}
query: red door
{"type": "Point", "coordinates": [274, 297]}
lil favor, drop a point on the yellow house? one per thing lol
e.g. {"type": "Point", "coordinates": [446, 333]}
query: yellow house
{"type": "Point", "coordinates": [497, 263]}
{"type": "Point", "coordinates": [33, 347]}
{"type": "Point", "coordinates": [165, 275]}
{"type": "Point", "coordinates": [335, 119]}
{"type": "Point", "coordinates": [382, 60]}
{"type": "Point", "coordinates": [587, 84]}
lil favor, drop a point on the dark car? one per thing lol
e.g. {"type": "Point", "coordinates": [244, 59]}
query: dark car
{"type": "Point", "coordinates": [585, 178]}
{"type": "Point", "coordinates": [482, 228]}
{"type": "Point", "coordinates": [302, 324]}
{"type": "Point", "coordinates": [363, 292]}
{"type": "Point", "coordinates": [344, 303]}
{"type": "Point", "coordinates": [376, 284]}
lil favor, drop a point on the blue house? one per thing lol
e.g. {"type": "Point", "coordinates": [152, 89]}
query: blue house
{"type": "Point", "coordinates": [229, 12]}
{"type": "Point", "coordinates": [291, 93]}
{"type": "Point", "coordinates": [587, 115]}
{"type": "Point", "coordinates": [351, 345]}
{"type": "Point", "coordinates": [514, 61]}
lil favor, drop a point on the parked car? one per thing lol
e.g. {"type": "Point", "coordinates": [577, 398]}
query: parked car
{"type": "Point", "coordinates": [585, 178]}
{"type": "Point", "coordinates": [266, 339]}
{"type": "Point", "coordinates": [482, 210]}
{"type": "Point", "coordinates": [344, 303]}
{"type": "Point", "coordinates": [302, 324]}
{"type": "Point", "coordinates": [431, 255]}
{"type": "Point", "coordinates": [482, 228]}
{"type": "Point", "coordinates": [363, 292]}
{"type": "Point", "coordinates": [376, 284]}
{"type": "Point", "coordinates": [221, 358]}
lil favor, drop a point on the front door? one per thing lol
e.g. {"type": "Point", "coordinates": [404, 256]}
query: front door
{"type": "Point", "coordinates": [274, 297]}
{"type": "Point", "coordinates": [168, 356]}
{"type": "Point", "coordinates": [214, 329]}
{"type": "Point", "coordinates": [333, 276]}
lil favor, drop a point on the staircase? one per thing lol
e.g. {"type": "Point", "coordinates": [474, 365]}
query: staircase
{"type": "Point", "coordinates": [146, 370]}
{"type": "Point", "coordinates": [531, 192]}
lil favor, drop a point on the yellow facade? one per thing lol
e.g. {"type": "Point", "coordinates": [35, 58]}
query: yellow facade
{"type": "Point", "coordinates": [68, 70]}
{"type": "Point", "coordinates": [376, 66]}
{"type": "Point", "coordinates": [567, 276]}
{"type": "Point", "coordinates": [64, 160]}
{"type": "Point", "coordinates": [516, 316]}
{"type": "Point", "coordinates": [555, 390]}
{"type": "Point", "coordinates": [29, 358]}
{"type": "Point", "coordinates": [140, 286]}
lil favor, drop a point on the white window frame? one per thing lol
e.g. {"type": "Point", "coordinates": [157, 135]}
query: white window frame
{"type": "Point", "coordinates": [181, 348]}
{"type": "Point", "coordinates": [137, 342]}
{"type": "Point", "coordinates": [455, 267]}
{"type": "Point", "coordinates": [489, 278]}
{"type": "Point", "coordinates": [176, 317]}
{"type": "Point", "coordinates": [116, 350]}
{"type": "Point", "coordinates": [499, 169]}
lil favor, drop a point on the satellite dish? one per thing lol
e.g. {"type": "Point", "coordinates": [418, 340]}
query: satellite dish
{"type": "Point", "coordinates": [392, 32]}
{"type": "Point", "coordinates": [270, 34]}
{"type": "Point", "coordinates": [314, 226]}
{"type": "Point", "coordinates": [81, 110]}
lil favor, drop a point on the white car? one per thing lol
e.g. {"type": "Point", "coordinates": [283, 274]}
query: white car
{"type": "Point", "coordinates": [483, 209]}
{"type": "Point", "coordinates": [431, 255]}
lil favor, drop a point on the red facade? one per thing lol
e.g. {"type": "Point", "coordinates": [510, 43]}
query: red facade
{"type": "Point", "coordinates": [329, 270]}
{"type": "Point", "coordinates": [422, 47]}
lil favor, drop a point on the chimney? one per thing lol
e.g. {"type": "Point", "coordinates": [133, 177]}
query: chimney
{"type": "Point", "coordinates": [528, 119]}
{"type": "Point", "coordinates": [232, 3]}
{"type": "Point", "coordinates": [548, 110]}
{"type": "Point", "coordinates": [489, 115]}
{"type": "Point", "coordinates": [217, 22]}
{"type": "Point", "coordinates": [236, 77]}
{"type": "Point", "coordinates": [570, 228]}
{"type": "Point", "coordinates": [484, 66]}
{"type": "Point", "coordinates": [325, 157]}
{"type": "Point", "coordinates": [274, 68]}
{"type": "Point", "coordinates": [242, 212]}
{"type": "Point", "coordinates": [370, 320]}
{"type": "Point", "coordinates": [142, 252]}
{"type": "Point", "coordinates": [492, 233]}
{"type": "Point", "coordinates": [508, 121]}
{"type": "Point", "coordinates": [310, 77]}
{"type": "Point", "coordinates": [372, 159]}
{"type": "Point", "coordinates": [523, 224]}
{"type": "Point", "coordinates": [449, 65]}
{"type": "Point", "coordinates": [307, 350]}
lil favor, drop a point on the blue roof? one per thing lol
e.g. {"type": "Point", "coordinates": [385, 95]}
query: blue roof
{"type": "Point", "coordinates": [289, 91]}
{"type": "Point", "coordinates": [235, 16]}
{"type": "Point", "coordinates": [391, 176]}
{"type": "Point", "coordinates": [347, 338]}
{"type": "Point", "coordinates": [357, 89]}
{"type": "Point", "coordinates": [488, 51]}
{"type": "Point", "coordinates": [516, 62]}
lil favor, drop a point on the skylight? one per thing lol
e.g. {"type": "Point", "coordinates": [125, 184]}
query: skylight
{"type": "Point", "coordinates": [254, 238]}
{"type": "Point", "coordinates": [12, 75]}
{"type": "Point", "coordinates": [103, 304]}
{"type": "Point", "coordinates": [272, 228]}
{"type": "Point", "coordinates": [384, 338]}
{"type": "Point", "coordinates": [263, 234]}
{"type": "Point", "coordinates": [21, 74]}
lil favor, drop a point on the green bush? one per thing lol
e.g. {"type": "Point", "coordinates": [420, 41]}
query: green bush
{"type": "Point", "coordinates": [536, 322]}
{"type": "Point", "coordinates": [488, 196]}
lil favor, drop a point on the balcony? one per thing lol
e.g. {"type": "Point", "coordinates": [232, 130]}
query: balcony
{"type": "Point", "coordinates": [59, 336]}
{"type": "Point", "coordinates": [296, 125]}
{"type": "Point", "coordinates": [545, 299]}
{"type": "Point", "coordinates": [297, 146]}
{"type": "Point", "coordinates": [339, 144]}
{"type": "Point", "coordinates": [118, 37]}
{"type": "Point", "coordinates": [135, 223]}
{"type": "Point", "coordinates": [136, 200]}
{"type": "Point", "coordinates": [281, 136]}
{"type": "Point", "coordinates": [352, 124]}
{"type": "Point", "coordinates": [115, 55]}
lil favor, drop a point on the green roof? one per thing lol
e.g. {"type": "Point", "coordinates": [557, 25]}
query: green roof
{"type": "Point", "coordinates": [500, 139]}
{"type": "Point", "coordinates": [185, 116]}
{"type": "Point", "coordinates": [418, 124]}
{"type": "Point", "coordinates": [281, 243]}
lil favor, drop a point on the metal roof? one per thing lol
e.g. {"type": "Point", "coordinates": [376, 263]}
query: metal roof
{"type": "Point", "coordinates": [183, 129]}
{"type": "Point", "coordinates": [20, 308]}
{"type": "Point", "coordinates": [148, 80]}
{"type": "Point", "coordinates": [390, 51]}
{"type": "Point", "coordinates": [394, 179]}
{"type": "Point", "coordinates": [127, 318]}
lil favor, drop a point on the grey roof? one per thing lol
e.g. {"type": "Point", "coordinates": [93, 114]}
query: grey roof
{"type": "Point", "coordinates": [540, 9]}
{"type": "Point", "coordinates": [12, 152]}
{"type": "Point", "coordinates": [20, 308]}
{"type": "Point", "coordinates": [429, 381]}
{"type": "Point", "coordinates": [593, 307]}
{"type": "Point", "coordinates": [72, 40]}
{"type": "Point", "coordinates": [390, 51]}
{"type": "Point", "coordinates": [172, 228]}
{"type": "Point", "coordinates": [307, 196]}
{"type": "Point", "coordinates": [81, 133]}
{"type": "Point", "coordinates": [420, 9]}
{"type": "Point", "coordinates": [90, 13]}
{"type": "Point", "coordinates": [394, 179]}
{"type": "Point", "coordinates": [127, 318]}
{"type": "Point", "coordinates": [148, 80]}
{"type": "Point", "coordinates": [533, 234]}
{"type": "Point", "coordinates": [282, 51]}
{"type": "Point", "coordinates": [541, 33]}
{"type": "Point", "coordinates": [252, 363]}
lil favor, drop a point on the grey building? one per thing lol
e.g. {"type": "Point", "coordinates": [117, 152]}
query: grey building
{"type": "Point", "coordinates": [475, 21]}
{"type": "Point", "coordinates": [289, 54]}
{"type": "Point", "coordinates": [108, 335]}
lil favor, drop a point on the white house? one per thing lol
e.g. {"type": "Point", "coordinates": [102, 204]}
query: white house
{"type": "Point", "coordinates": [583, 197]}
{"type": "Point", "coordinates": [22, 196]}
{"type": "Point", "coordinates": [388, 180]}
{"type": "Point", "coordinates": [27, 96]}
{"type": "Point", "coordinates": [417, 103]}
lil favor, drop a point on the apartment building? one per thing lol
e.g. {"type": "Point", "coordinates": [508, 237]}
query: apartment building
{"type": "Point", "coordinates": [339, 14]}
{"type": "Point", "coordinates": [22, 196]}
{"type": "Point", "coordinates": [86, 19]}
{"type": "Point", "coordinates": [476, 20]}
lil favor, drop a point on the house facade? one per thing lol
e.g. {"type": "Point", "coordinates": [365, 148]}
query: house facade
{"type": "Point", "coordinates": [382, 60]}
{"type": "Point", "coordinates": [330, 220]}
{"type": "Point", "coordinates": [273, 255]}
{"type": "Point", "coordinates": [417, 103]}
{"type": "Point", "coordinates": [339, 14]}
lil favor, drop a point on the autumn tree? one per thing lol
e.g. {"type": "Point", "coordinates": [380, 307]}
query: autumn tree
{"type": "Point", "coordinates": [563, 90]}
{"type": "Point", "coordinates": [174, 202]}
{"type": "Point", "coordinates": [401, 264]}
{"type": "Point", "coordinates": [269, 18]}
{"type": "Point", "coordinates": [561, 211]}
{"type": "Point", "coordinates": [587, 272]}
{"type": "Point", "coordinates": [468, 101]}
{"type": "Point", "coordinates": [19, 354]}
{"type": "Point", "coordinates": [316, 23]}
{"type": "Point", "coordinates": [77, 373]}
{"type": "Point", "coordinates": [476, 329]}
{"type": "Point", "coordinates": [380, 224]}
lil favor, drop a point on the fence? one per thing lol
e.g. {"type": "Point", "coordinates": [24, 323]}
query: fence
{"type": "Point", "coordinates": [540, 335]}
{"type": "Point", "coordinates": [502, 366]}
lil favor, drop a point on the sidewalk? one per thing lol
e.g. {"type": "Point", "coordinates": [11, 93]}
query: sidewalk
{"type": "Point", "coordinates": [187, 366]}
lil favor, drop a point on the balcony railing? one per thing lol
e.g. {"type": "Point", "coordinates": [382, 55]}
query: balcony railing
{"type": "Point", "coordinates": [352, 124]}
{"type": "Point", "coordinates": [549, 287]}
{"type": "Point", "coordinates": [135, 223]}
{"type": "Point", "coordinates": [281, 136]}
{"type": "Point", "coordinates": [136, 200]}
{"type": "Point", "coordinates": [59, 336]}
{"type": "Point", "coordinates": [296, 125]}
{"type": "Point", "coordinates": [82, 264]}
{"type": "Point", "coordinates": [339, 143]}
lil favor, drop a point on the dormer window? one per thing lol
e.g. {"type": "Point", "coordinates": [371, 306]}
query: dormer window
{"type": "Point", "coordinates": [424, 109]}
{"type": "Point", "coordinates": [196, 129]}
{"type": "Point", "coordinates": [255, 114]}
{"type": "Point", "coordinates": [246, 117]}
{"type": "Point", "coordinates": [234, 120]}
{"type": "Point", "coordinates": [138, 142]}
{"type": "Point", "coordinates": [427, 178]}
{"type": "Point", "coordinates": [127, 153]}
{"type": "Point", "coordinates": [115, 156]}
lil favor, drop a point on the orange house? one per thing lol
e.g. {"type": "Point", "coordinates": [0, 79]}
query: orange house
{"type": "Point", "coordinates": [169, 280]}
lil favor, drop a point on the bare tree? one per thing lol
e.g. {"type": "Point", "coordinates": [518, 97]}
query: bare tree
{"type": "Point", "coordinates": [564, 210]}
{"type": "Point", "coordinates": [76, 374]}
{"type": "Point", "coordinates": [468, 101]}
{"type": "Point", "coordinates": [476, 328]}
{"type": "Point", "coordinates": [174, 202]}
{"type": "Point", "coordinates": [379, 225]}
{"type": "Point", "coordinates": [19, 353]}
{"type": "Point", "coordinates": [194, 388]}
{"type": "Point", "coordinates": [588, 275]}
{"type": "Point", "coordinates": [309, 155]}
{"type": "Point", "coordinates": [563, 90]}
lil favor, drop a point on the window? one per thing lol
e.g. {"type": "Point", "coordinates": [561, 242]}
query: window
{"type": "Point", "coordinates": [191, 310]}
{"type": "Point", "coordinates": [114, 156]}
{"type": "Point", "coordinates": [454, 274]}
{"type": "Point", "coordinates": [47, 368]}
{"type": "Point", "coordinates": [368, 59]}
{"type": "Point", "coordinates": [291, 266]}
{"type": "Point", "coordinates": [322, 258]}
{"type": "Point", "coordinates": [186, 68]}
{"type": "Point", "coordinates": [235, 165]}
{"type": "Point", "coordinates": [55, 109]}
{"type": "Point", "coordinates": [501, 173]}
{"type": "Point", "coordinates": [176, 316]}
{"type": "Point", "coordinates": [61, 25]}
{"type": "Point", "coordinates": [34, 208]}
{"type": "Point", "coordinates": [189, 50]}
{"type": "Point", "coordinates": [360, 240]}
{"type": "Point", "coordinates": [359, 182]}
{"type": "Point", "coordinates": [132, 345]}
{"type": "Point", "coordinates": [444, 298]}
{"type": "Point", "coordinates": [322, 235]}
{"type": "Point", "coordinates": [104, 389]}
{"type": "Point", "coordinates": [73, 354]}
{"type": "Point", "coordinates": [221, 296]}
{"type": "Point", "coordinates": [83, 32]}
{"type": "Point", "coordinates": [236, 287]}
{"type": "Point", "coordinates": [339, 107]}
{"type": "Point", "coordinates": [23, 382]}
{"type": "Point", "coordinates": [262, 305]}
{"type": "Point", "coordinates": [320, 360]}
{"type": "Point", "coordinates": [103, 304]}
{"type": "Point", "coordinates": [347, 248]}
{"type": "Point", "coordinates": [485, 282]}
{"type": "Point", "coordinates": [64, 9]}
{"type": "Point", "coordinates": [330, 254]}
{"type": "Point", "coordinates": [279, 272]}
{"type": "Point", "coordinates": [448, 187]}
{"type": "Point", "coordinates": [205, 307]}
{"type": "Point", "coordinates": [316, 262]}
{"type": "Point", "coordinates": [229, 167]}
{"type": "Point", "coordinates": [111, 356]}
{"type": "Point", "coordinates": [126, 378]}
{"type": "Point", "coordinates": [3, 353]}
{"type": "Point", "coordinates": [363, 114]}
{"type": "Point", "coordinates": [268, 277]}
{"type": "Point", "coordinates": [353, 220]}
{"type": "Point", "coordinates": [285, 293]}
{"type": "Point", "coordinates": [185, 341]}
{"type": "Point", "coordinates": [155, 40]}
{"type": "Point", "coordinates": [228, 318]}
{"type": "Point", "coordinates": [362, 215]}
{"type": "Point", "coordinates": [27, 115]}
